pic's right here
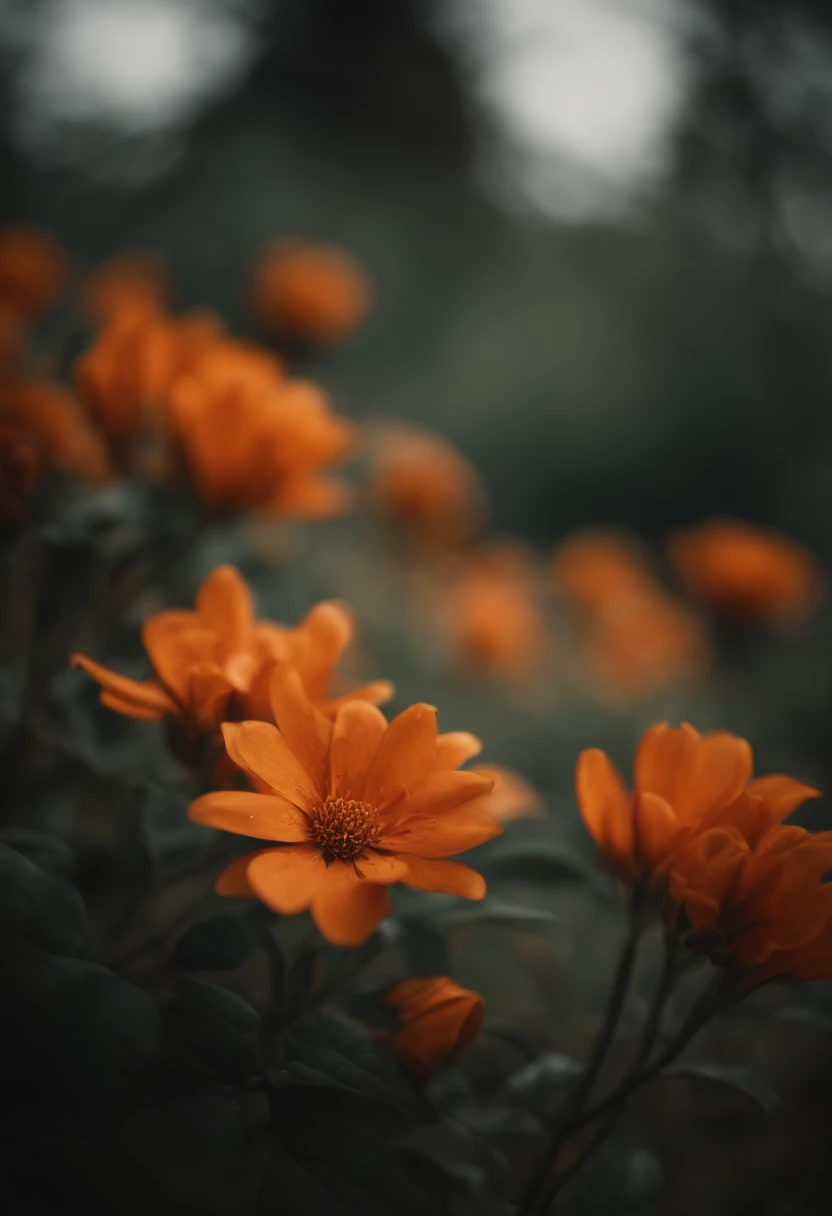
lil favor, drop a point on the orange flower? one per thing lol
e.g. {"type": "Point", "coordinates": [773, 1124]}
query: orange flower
{"type": "Point", "coordinates": [32, 270]}
{"type": "Point", "coordinates": [254, 441]}
{"type": "Point", "coordinates": [709, 841]}
{"type": "Point", "coordinates": [363, 803]}
{"type": "Point", "coordinates": [759, 908]}
{"type": "Point", "coordinates": [647, 643]}
{"type": "Point", "coordinates": [18, 473]}
{"type": "Point", "coordinates": [685, 784]}
{"type": "Point", "coordinates": [52, 417]}
{"type": "Point", "coordinates": [315, 292]}
{"type": "Point", "coordinates": [494, 615]}
{"type": "Point", "coordinates": [126, 280]}
{"type": "Point", "coordinates": [214, 664]}
{"type": "Point", "coordinates": [437, 1020]}
{"type": "Point", "coordinates": [126, 373]}
{"type": "Point", "coordinates": [596, 570]}
{"type": "Point", "coordinates": [422, 485]}
{"type": "Point", "coordinates": [746, 573]}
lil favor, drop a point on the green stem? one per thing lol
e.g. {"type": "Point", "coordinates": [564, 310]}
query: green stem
{"type": "Point", "coordinates": [576, 1103]}
{"type": "Point", "coordinates": [648, 1038]}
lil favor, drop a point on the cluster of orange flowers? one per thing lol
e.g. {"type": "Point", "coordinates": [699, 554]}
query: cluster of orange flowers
{"type": "Point", "coordinates": [173, 396]}
{"type": "Point", "coordinates": [707, 842]}
{"type": "Point", "coordinates": [356, 803]}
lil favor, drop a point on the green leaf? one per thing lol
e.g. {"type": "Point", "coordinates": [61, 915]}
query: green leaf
{"type": "Point", "coordinates": [743, 1081]}
{"type": "Point", "coordinates": [326, 1050]}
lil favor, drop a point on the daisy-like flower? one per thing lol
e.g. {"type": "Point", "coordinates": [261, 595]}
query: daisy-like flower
{"type": "Point", "coordinates": [707, 839]}
{"type": "Point", "coordinates": [314, 292]}
{"type": "Point", "coordinates": [357, 804]}
{"type": "Point", "coordinates": [426, 488]}
{"type": "Point", "coordinates": [685, 783]}
{"type": "Point", "coordinates": [759, 908]}
{"type": "Point", "coordinates": [252, 440]}
{"type": "Point", "coordinates": [437, 1021]}
{"type": "Point", "coordinates": [748, 573]}
{"type": "Point", "coordinates": [32, 270]}
{"type": "Point", "coordinates": [213, 664]}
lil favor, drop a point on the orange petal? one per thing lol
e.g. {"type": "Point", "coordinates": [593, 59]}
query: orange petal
{"type": "Point", "coordinates": [129, 708]}
{"type": "Point", "coordinates": [286, 879]}
{"type": "Point", "coordinates": [440, 792]}
{"type": "Point", "coordinates": [655, 828]}
{"type": "Point", "coordinates": [223, 604]}
{"type": "Point", "coordinates": [513, 797]}
{"type": "Point", "coordinates": [377, 692]}
{"type": "Point", "coordinates": [451, 833]}
{"type": "Point", "coordinates": [356, 734]}
{"type": "Point", "coordinates": [605, 804]}
{"type": "Point", "coordinates": [780, 795]}
{"type": "Point", "coordinates": [234, 879]}
{"type": "Point", "coordinates": [266, 816]}
{"type": "Point", "coordinates": [305, 730]}
{"type": "Point", "coordinates": [446, 877]}
{"type": "Point", "coordinates": [455, 747]}
{"type": "Point", "coordinates": [407, 751]}
{"type": "Point", "coordinates": [695, 774]}
{"type": "Point", "coordinates": [381, 868]}
{"type": "Point", "coordinates": [439, 1033]}
{"type": "Point", "coordinates": [347, 909]}
{"type": "Point", "coordinates": [144, 694]}
{"type": "Point", "coordinates": [175, 643]}
{"type": "Point", "coordinates": [260, 749]}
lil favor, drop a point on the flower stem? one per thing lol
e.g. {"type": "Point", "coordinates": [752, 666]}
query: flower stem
{"type": "Point", "coordinates": [577, 1102]}
{"type": "Point", "coordinates": [613, 1114]}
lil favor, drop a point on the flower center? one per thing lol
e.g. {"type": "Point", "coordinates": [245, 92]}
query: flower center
{"type": "Point", "coordinates": [343, 828]}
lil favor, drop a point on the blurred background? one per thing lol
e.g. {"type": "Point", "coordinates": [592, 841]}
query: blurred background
{"type": "Point", "coordinates": [600, 232]}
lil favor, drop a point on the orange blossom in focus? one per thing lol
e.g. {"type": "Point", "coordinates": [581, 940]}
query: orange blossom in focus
{"type": "Point", "coordinates": [359, 803]}
{"type": "Point", "coordinates": [214, 664]}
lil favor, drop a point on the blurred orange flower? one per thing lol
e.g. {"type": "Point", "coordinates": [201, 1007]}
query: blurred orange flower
{"type": "Point", "coordinates": [512, 796]}
{"type": "Point", "coordinates": [126, 280]}
{"type": "Point", "coordinates": [493, 611]}
{"type": "Point", "coordinates": [214, 664]}
{"type": "Point", "coordinates": [252, 440]}
{"type": "Point", "coordinates": [747, 573]}
{"type": "Point", "coordinates": [315, 292]}
{"type": "Point", "coordinates": [425, 487]}
{"type": "Point", "coordinates": [437, 1020]}
{"type": "Point", "coordinates": [53, 418]}
{"type": "Point", "coordinates": [649, 641]}
{"type": "Point", "coordinates": [18, 473]}
{"type": "Point", "coordinates": [360, 802]}
{"type": "Point", "coordinates": [635, 638]}
{"type": "Point", "coordinates": [32, 270]}
{"type": "Point", "coordinates": [708, 839]}
{"type": "Point", "coordinates": [125, 374]}
{"type": "Point", "coordinates": [596, 570]}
